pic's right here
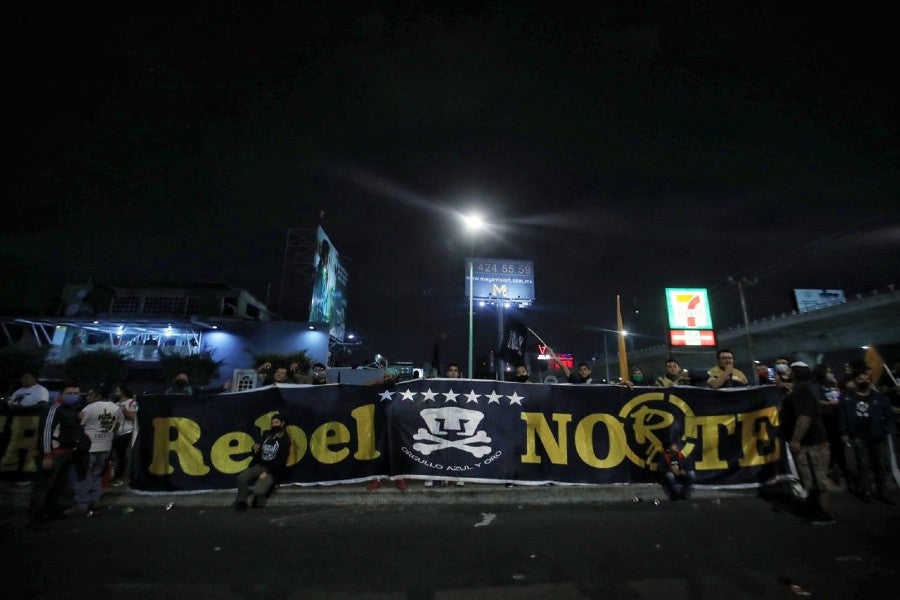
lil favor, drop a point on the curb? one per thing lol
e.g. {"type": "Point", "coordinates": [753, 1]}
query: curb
{"type": "Point", "coordinates": [388, 495]}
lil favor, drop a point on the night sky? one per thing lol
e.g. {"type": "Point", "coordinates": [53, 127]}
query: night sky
{"type": "Point", "coordinates": [623, 151]}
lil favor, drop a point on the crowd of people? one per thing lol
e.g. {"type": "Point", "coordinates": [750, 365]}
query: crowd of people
{"type": "Point", "coordinates": [83, 441]}
{"type": "Point", "coordinates": [836, 431]}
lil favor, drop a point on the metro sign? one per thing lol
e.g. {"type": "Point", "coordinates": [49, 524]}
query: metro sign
{"type": "Point", "coordinates": [688, 308]}
{"type": "Point", "coordinates": [692, 337]}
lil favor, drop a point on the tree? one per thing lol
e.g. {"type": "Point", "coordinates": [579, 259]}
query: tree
{"type": "Point", "coordinates": [200, 367]}
{"type": "Point", "coordinates": [95, 367]}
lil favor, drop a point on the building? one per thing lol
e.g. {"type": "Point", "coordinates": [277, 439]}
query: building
{"type": "Point", "coordinates": [141, 321]}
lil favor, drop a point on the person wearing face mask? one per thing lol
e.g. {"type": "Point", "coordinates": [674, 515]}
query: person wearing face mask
{"type": "Point", "coordinates": [866, 422]}
{"type": "Point", "coordinates": [318, 374]}
{"type": "Point", "coordinates": [59, 433]}
{"type": "Point", "coordinates": [522, 375]}
{"type": "Point", "coordinates": [784, 375]}
{"type": "Point", "coordinates": [267, 467]}
{"type": "Point", "coordinates": [180, 385]}
{"type": "Point", "coordinates": [638, 377]}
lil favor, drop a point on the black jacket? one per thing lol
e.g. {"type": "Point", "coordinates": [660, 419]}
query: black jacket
{"type": "Point", "coordinates": [59, 429]}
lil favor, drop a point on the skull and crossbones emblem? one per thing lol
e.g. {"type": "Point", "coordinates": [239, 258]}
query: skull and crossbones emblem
{"type": "Point", "coordinates": [442, 421]}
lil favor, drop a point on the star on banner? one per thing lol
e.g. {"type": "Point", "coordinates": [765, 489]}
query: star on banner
{"type": "Point", "coordinates": [429, 395]}
{"type": "Point", "coordinates": [386, 395]}
{"type": "Point", "coordinates": [472, 397]}
{"type": "Point", "coordinates": [450, 396]}
{"type": "Point", "coordinates": [493, 397]}
{"type": "Point", "coordinates": [407, 395]}
{"type": "Point", "coordinates": [515, 399]}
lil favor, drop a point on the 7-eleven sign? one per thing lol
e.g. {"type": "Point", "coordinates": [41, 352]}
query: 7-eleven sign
{"type": "Point", "coordinates": [688, 308]}
{"type": "Point", "coordinates": [692, 337]}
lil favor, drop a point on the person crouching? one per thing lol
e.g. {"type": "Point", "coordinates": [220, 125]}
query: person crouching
{"type": "Point", "coordinates": [269, 462]}
{"type": "Point", "coordinates": [677, 476]}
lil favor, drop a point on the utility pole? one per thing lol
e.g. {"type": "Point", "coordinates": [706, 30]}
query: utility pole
{"type": "Point", "coordinates": [741, 283]}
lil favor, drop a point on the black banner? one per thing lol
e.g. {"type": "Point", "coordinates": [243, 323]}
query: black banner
{"type": "Point", "coordinates": [474, 430]}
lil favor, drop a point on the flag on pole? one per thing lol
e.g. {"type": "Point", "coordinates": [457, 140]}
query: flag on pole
{"type": "Point", "coordinates": [623, 357]}
{"type": "Point", "coordinates": [436, 358]}
{"type": "Point", "coordinates": [876, 363]}
{"type": "Point", "coordinates": [515, 336]}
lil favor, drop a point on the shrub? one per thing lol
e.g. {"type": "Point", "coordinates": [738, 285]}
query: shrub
{"type": "Point", "coordinates": [201, 367]}
{"type": "Point", "coordinates": [95, 367]}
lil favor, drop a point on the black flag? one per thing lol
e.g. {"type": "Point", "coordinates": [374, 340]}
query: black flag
{"type": "Point", "coordinates": [436, 358]}
{"type": "Point", "coordinates": [515, 341]}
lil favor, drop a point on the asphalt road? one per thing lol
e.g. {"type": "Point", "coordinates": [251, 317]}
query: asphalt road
{"type": "Point", "coordinates": [722, 548]}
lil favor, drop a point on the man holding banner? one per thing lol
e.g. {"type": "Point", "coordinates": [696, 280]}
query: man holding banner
{"type": "Point", "coordinates": [724, 374]}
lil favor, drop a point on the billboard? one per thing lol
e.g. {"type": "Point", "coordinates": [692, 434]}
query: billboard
{"type": "Point", "coordinates": [329, 294]}
{"type": "Point", "coordinates": [688, 308]}
{"type": "Point", "coordinates": [807, 300]}
{"type": "Point", "coordinates": [496, 279]}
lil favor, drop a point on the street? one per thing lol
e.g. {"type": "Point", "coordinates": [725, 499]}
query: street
{"type": "Point", "coordinates": [737, 547]}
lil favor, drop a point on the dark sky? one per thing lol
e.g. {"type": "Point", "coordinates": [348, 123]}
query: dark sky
{"type": "Point", "coordinates": [624, 150]}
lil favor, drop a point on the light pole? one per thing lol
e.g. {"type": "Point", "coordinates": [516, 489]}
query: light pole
{"type": "Point", "coordinates": [474, 223]}
{"type": "Point", "coordinates": [606, 357]}
{"type": "Point", "coordinates": [741, 283]}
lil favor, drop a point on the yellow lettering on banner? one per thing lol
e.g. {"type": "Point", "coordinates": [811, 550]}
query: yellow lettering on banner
{"type": "Point", "coordinates": [325, 436]}
{"type": "Point", "coordinates": [230, 444]}
{"type": "Point", "coordinates": [708, 428]}
{"type": "Point", "coordinates": [23, 432]}
{"type": "Point", "coordinates": [365, 432]}
{"type": "Point", "coordinates": [556, 448]}
{"type": "Point", "coordinates": [187, 432]}
{"type": "Point", "coordinates": [755, 434]}
{"type": "Point", "coordinates": [300, 445]}
{"type": "Point", "coordinates": [584, 441]}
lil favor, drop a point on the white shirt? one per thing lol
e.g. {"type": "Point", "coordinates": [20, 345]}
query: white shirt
{"type": "Point", "coordinates": [30, 396]}
{"type": "Point", "coordinates": [126, 426]}
{"type": "Point", "coordinates": [101, 422]}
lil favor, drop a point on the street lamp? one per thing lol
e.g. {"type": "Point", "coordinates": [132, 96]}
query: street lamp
{"type": "Point", "coordinates": [474, 223]}
{"type": "Point", "coordinates": [741, 284]}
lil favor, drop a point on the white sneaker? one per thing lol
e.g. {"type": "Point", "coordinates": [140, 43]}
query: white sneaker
{"type": "Point", "coordinates": [429, 483]}
{"type": "Point", "coordinates": [460, 483]}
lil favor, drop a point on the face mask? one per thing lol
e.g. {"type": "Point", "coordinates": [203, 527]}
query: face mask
{"type": "Point", "coordinates": [521, 378]}
{"type": "Point", "coordinates": [276, 428]}
{"type": "Point", "coordinates": [638, 378]}
{"type": "Point", "coordinates": [70, 399]}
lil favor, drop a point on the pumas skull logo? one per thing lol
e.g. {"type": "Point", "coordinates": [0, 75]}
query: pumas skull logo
{"type": "Point", "coordinates": [461, 422]}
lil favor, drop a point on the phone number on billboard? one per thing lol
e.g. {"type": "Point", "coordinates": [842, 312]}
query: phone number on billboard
{"type": "Point", "coordinates": [503, 268]}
